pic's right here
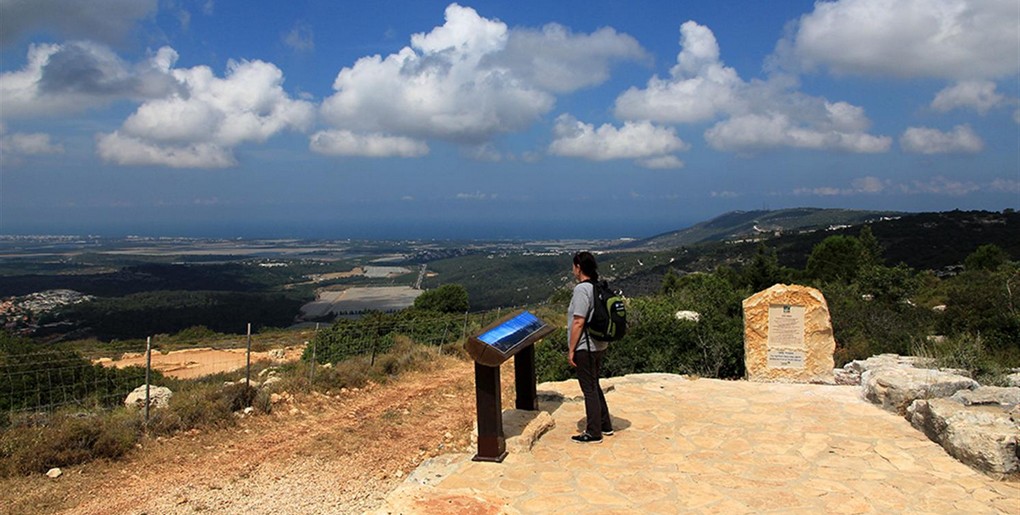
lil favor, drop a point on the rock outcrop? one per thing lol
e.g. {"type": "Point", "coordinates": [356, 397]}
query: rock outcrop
{"type": "Point", "coordinates": [895, 388]}
{"type": "Point", "coordinates": [974, 427]}
{"type": "Point", "coordinates": [978, 425]}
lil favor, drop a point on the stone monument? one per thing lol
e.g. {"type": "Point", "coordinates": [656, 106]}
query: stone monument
{"type": "Point", "coordinates": [788, 336]}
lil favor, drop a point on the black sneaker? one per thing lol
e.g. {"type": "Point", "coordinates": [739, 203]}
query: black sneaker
{"type": "Point", "coordinates": [607, 432]}
{"type": "Point", "coordinates": [586, 438]}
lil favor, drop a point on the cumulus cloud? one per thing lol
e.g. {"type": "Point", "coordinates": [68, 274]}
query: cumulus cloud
{"type": "Point", "coordinates": [755, 116]}
{"type": "Point", "coordinates": [470, 79]}
{"type": "Point", "coordinates": [347, 143]}
{"type": "Point", "coordinates": [949, 39]}
{"type": "Point", "coordinates": [700, 85]}
{"type": "Point", "coordinates": [816, 125]}
{"type": "Point", "coordinates": [557, 60]}
{"type": "Point", "coordinates": [129, 150]}
{"type": "Point", "coordinates": [100, 20]}
{"type": "Point", "coordinates": [75, 76]}
{"type": "Point", "coordinates": [923, 140]}
{"type": "Point", "coordinates": [199, 127]}
{"type": "Point", "coordinates": [978, 95]}
{"type": "Point", "coordinates": [634, 140]}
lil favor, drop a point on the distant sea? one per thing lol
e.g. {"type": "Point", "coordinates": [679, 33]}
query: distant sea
{"type": "Point", "coordinates": [388, 230]}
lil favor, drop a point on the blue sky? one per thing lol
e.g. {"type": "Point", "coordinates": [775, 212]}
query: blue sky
{"type": "Point", "coordinates": [497, 119]}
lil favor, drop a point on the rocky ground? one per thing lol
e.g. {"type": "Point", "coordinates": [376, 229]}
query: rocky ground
{"type": "Point", "coordinates": [339, 453]}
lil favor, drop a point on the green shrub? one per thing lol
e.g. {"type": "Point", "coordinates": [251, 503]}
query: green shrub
{"type": "Point", "coordinates": [36, 444]}
{"type": "Point", "coordinates": [966, 352]}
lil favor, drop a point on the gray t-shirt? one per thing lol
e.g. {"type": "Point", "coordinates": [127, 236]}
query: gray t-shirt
{"type": "Point", "coordinates": [580, 305]}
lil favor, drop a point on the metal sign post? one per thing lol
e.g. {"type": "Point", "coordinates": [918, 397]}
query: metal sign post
{"type": "Point", "coordinates": [513, 336]}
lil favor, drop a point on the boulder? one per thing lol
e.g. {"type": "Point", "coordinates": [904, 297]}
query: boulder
{"type": "Point", "coordinates": [159, 397]}
{"type": "Point", "coordinates": [983, 436]}
{"type": "Point", "coordinates": [894, 388]}
{"type": "Point", "coordinates": [690, 316]}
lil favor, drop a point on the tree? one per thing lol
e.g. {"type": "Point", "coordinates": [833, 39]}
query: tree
{"type": "Point", "coordinates": [448, 298]}
{"type": "Point", "coordinates": [870, 246]}
{"type": "Point", "coordinates": [670, 282]}
{"type": "Point", "coordinates": [764, 270]}
{"type": "Point", "coordinates": [836, 258]}
{"type": "Point", "coordinates": [987, 257]}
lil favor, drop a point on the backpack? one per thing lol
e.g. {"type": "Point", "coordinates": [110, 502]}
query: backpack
{"type": "Point", "coordinates": [608, 321]}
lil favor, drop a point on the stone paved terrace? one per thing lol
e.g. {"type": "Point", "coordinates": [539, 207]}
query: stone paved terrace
{"type": "Point", "coordinates": [711, 446]}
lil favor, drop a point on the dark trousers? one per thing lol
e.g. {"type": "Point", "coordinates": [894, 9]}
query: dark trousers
{"type": "Point", "coordinates": [595, 410]}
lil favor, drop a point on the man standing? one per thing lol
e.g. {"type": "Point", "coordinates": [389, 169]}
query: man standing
{"type": "Point", "coordinates": [585, 353]}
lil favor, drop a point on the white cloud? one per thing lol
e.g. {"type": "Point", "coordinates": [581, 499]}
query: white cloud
{"type": "Point", "coordinates": [470, 79]}
{"type": "Point", "coordinates": [868, 184]}
{"type": "Point", "coordinates": [634, 140]}
{"type": "Point", "coordinates": [75, 76]}
{"type": "Point", "coordinates": [756, 115]}
{"type": "Point", "coordinates": [14, 147]}
{"type": "Point", "coordinates": [476, 196]}
{"type": "Point", "coordinates": [950, 39]}
{"type": "Point", "coordinates": [1005, 185]}
{"type": "Point", "coordinates": [835, 129]}
{"type": "Point", "coordinates": [667, 162]}
{"type": "Point", "coordinates": [101, 20]}
{"type": "Point", "coordinates": [724, 194]}
{"type": "Point", "coordinates": [199, 127]}
{"type": "Point", "coordinates": [554, 59]}
{"type": "Point", "coordinates": [923, 140]}
{"type": "Point", "coordinates": [941, 186]}
{"type": "Point", "coordinates": [978, 95]}
{"type": "Point", "coordinates": [700, 87]}
{"type": "Point", "coordinates": [129, 150]}
{"type": "Point", "coordinates": [861, 186]}
{"type": "Point", "coordinates": [300, 38]}
{"type": "Point", "coordinates": [347, 143]}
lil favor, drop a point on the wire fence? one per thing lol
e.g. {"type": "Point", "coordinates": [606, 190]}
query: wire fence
{"type": "Point", "coordinates": [46, 380]}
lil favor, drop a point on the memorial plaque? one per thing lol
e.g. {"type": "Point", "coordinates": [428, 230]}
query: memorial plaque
{"type": "Point", "coordinates": [788, 336]}
{"type": "Point", "coordinates": [786, 358]}
{"type": "Point", "coordinates": [786, 327]}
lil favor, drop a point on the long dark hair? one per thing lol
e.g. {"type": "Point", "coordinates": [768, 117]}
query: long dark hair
{"type": "Point", "coordinates": [586, 261]}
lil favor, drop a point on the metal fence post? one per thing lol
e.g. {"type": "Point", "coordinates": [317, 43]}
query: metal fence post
{"type": "Point", "coordinates": [311, 367]}
{"type": "Point", "coordinates": [247, 373]}
{"type": "Point", "coordinates": [148, 368]}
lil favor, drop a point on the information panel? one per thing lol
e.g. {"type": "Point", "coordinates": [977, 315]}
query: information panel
{"type": "Point", "coordinates": [498, 342]}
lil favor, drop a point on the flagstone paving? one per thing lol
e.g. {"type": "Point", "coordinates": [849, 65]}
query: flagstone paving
{"type": "Point", "coordinates": [709, 446]}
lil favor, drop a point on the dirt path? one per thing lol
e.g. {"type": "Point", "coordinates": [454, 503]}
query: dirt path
{"type": "Point", "coordinates": [316, 454]}
{"type": "Point", "coordinates": [193, 363]}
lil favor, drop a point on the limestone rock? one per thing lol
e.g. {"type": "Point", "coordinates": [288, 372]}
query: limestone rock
{"type": "Point", "coordinates": [54, 473]}
{"type": "Point", "coordinates": [159, 397]}
{"type": "Point", "coordinates": [984, 437]}
{"type": "Point", "coordinates": [887, 360]}
{"type": "Point", "coordinates": [995, 395]}
{"type": "Point", "coordinates": [894, 388]}
{"type": "Point", "coordinates": [1013, 379]}
{"type": "Point", "coordinates": [691, 316]}
{"type": "Point", "coordinates": [788, 336]}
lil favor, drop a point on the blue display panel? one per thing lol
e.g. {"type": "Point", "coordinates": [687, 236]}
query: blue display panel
{"type": "Point", "coordinates": [512, 332]}
{"type": "Point", "coordinates": [506, 337]}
